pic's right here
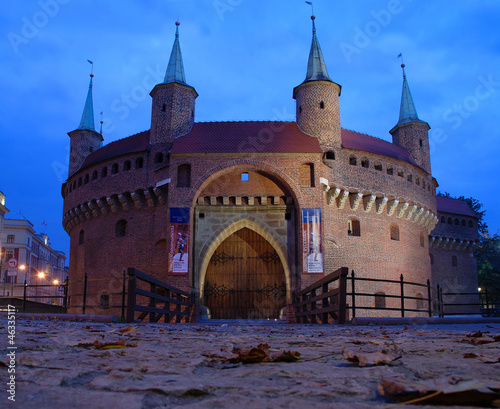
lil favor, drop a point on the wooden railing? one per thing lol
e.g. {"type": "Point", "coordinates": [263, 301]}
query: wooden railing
{"type": "Point", "coordinates": [164, 300]}
{"type": "Point", "coordinates": [321, 303]}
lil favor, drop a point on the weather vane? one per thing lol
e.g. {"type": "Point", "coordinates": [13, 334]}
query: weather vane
{"type": "Point", "coordinates": [312, 7]}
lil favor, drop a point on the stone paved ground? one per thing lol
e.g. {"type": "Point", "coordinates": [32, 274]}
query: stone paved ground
{"type": "Point", "coordinates": [182, 365]}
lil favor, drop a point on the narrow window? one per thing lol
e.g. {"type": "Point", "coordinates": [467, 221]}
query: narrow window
{"type": "Point", "coordinates": [94, 175]}
{"type": "Point", "coordinates": [423, 183]}
{"type": "Point", "coordinates": [410, 178]}
{"type": "Point", "coordinates": [127, 165]}
{"type": "Point", "coordinates": [11, 238]}
{"type": "Point", "coordinates": [463, 222]}
{"type": "Point", "coordinates": [330, 155]}
{"type": "Point", "coordinates": [422, 240]}
{"type": "Point", "coordinates": [353, 161]}
{"type": "Point", "coordinates": [421, 143]}
{"type": "Point", "coordinates": [81, 237]}
{"type": "Point", "coordinates": [379, 299]}
{"type": "Point", "coordinates": [450, 221]}
{"type": "Point", "coordinates": [91, 149]}
{"type": "Point", "coordinates": [104, 301]}
{"type": "Point", "coordinates": [417, 181]}
{"type": "Point", "coordinates": [104, 172]}
{"type": "Point", "coordinates": [378, 166]}
{"type": "Point", "coordinates": [457, 222]}
{"type": "Point", "coordinates": [86, 179]}
{"type": "Point", "coordinates": [300, 109]}
{"type": "Point", "coordinates": [390, 171]}
{"type": "Point", "coordinates": [401, 174]}
{"type": "Point", "coordinates": [139, 163]}
{"type": "Point", "coordinates": [74, 185]}
{"type": "Point", "coordinates": [322, 105]}
{"type": "Point", "coordinates": [244, 176]}
{"type": "Point", "coordinates": [365, 163]}
{"type": "Point", "coordinates": [307, 175]}
{"type": "Point", "coordinates": [114, 168]}
{"type": "Point", "coordinates": [121, 228]}
{"type": "Point", "coordinates": [394, 232]}
{"type": "Point", "coordinates": [454, 261]}
{"type": "Point", "coordinates": [470, 223]}
{"type": "Point", "coordinates": [184, 175]}
{"type": "Point", "coordinates": [80, 182]}
{"type": "Point", "coordinates": [159, 157]}
{"type": "Point", "coordinates": [443, 219]}
{"type": "Point", "coordinates": [164, 107]}
{"type": "Point", "coordinates": [353, 228]}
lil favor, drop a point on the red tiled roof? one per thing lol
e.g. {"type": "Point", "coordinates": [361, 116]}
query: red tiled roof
{"type": "Point", "coordinates": [364, 142]}
{"type": "Point", "coordinates": [135, 143]}
{"type": "Point", "coordinates": [455, 206]}
{"type": "Point", "coordinates": [246, 137]}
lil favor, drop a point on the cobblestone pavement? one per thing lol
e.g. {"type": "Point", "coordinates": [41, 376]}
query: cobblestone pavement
{"type": "Point", "coordinates": [59, 364]}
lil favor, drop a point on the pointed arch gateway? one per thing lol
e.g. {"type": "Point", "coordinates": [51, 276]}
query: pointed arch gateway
{"type": "Point", "coordinates": [244, 275]}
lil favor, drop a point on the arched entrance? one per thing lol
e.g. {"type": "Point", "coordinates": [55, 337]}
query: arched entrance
{"type": "Point", "coordinates": [245, 278]}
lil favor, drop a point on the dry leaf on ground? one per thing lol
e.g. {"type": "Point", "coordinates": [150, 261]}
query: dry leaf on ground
{"type": "Point", "coordinates": [262, 353]}
{"type": "Point", "coordinates": [367, 358]}
{"type": "Point", "coordinates": [443, 391]}
{"type": "Point", "coordinates": [106, 345]}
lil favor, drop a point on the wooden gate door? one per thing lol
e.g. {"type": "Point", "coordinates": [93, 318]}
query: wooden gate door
{"type": "Point", "coordinates": [245, 279]}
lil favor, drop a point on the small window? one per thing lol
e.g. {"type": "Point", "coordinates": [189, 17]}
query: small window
{"type": "Point", "coordinates": [94, 175]}
{"type": "Point", "coordinates": [353, 228]}
{"type": "Point", "coordinates": [401, 174]}
{"type": "Point", "coordinates": [114, 169]}
{"type": "Point", "coordinates": [423, 183]}
{"type": "Point", "coordinates": [70, 188]}
{"type": "Point", "coordinates": [353, 161]}
{"type": "Point", "coordinates": [184, 175]}
{"type": "Point", "coordinates": [410, 178]}
{"type": "Point", "coordinates": [159, 157]}
{"type": "Point", "coordinates": [121, 228]}
{"type": "Point", "coordinates": [390, 171]}
{"type": "Point", "coordinates": [307, 175]}
{"type": "Point", "coordinates": [91, 149]}
{"type": "Point", "coordinates": [86, 180]}
{"type": "Point", "coordinates": [139, 163]}
{"type": "Point", "coordinates": [164, 107]}
{"type": "Point", "coordinates": [379, 299]}
{"type": "Point", "coordinates": [421, 143]}
{"type": "Point", "coordinates": [365, 163]}
{"type": "Point", "coordinates": [127, 165]}
{"type": "Point", "coordinates": [394, 232]}
{"type": "Point", "coordinates": [443, 219]}
{"type": "Point", "coordinates": [454, 261]}
{"type": "Point", "coordinates": [463, 222]}
{"type": "Point", "coordinates": [244, 176]}
{"type": "Point", "coordinates": [104, 301]}
{"type": "Point", "coordinates": [457, 222]}
{"type": "Point", "coordinates": [471, 224]}
{"type": "Point", "coordinates": [450, 221]}
{"type": "Point", "coordinates": [378, 166]}
{"type": "Point", "coordinates": [322, 105]}
{"type": "Point", "coordinates": [80, 182]}
{"type": "Point", "coordinates": [11, 238]}
{"type": "Point", "coordinates": [422, 240]}
{"type": "Point", "coordinates": [300, 109]}
{"type": "Point", "coordinates": [104, 172]}
{"type": "Point", "coordinates": [81, 237]}
{"type": "Point", "coordinates": [432, 259]}
{"type": "Point", "coordinates": [419, 301]}
{"type": "Point", "coordinates": [417, 181]}
{"type": "Point", "coordinates": [74, 185]}
{"type": "Point", "coordinates": [330, 155]}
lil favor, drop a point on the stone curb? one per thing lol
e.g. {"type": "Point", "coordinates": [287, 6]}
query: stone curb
{"type": "Point", "coordinates": [65, 317]}
{"type": "Point", "coordinates": [423, 320]}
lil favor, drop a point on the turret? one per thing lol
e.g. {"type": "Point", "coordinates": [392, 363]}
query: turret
{"type": "Point", "coordinates": [317, 100]}
{"type": "Point", "coordinates": [173, 101]}
{"type": "Point", "coordinates": [410, 132]}
{"type": "Point", "coordinates": [84, 139]}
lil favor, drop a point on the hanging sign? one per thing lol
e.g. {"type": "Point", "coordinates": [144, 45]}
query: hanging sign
{"type": "Point", "coordinates": [312, 245]}
{"type": "Point", "coordinates": [179, 240]}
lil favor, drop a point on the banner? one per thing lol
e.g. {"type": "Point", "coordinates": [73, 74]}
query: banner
{"type": "Point", "coordinates": [312, 245]}
{"type": "Point", "coordinates": [179, 240]}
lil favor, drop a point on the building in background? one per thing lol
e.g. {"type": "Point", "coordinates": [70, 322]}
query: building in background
{"type": "Point", "coordinates": [28, 257]}
{"type": "Point", "coordinates": [3, 212]}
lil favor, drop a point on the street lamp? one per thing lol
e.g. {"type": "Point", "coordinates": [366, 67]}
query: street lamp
{"type": "Point", "coordinates": [22, 267]}
{"type": "Point", "coordinates": [41, 274]}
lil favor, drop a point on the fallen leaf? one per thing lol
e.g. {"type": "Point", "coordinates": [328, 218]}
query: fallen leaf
{"type": "Point", "coordinates": [470, 355]}
{"type": "Point", "coordinates": [363, 358]}
{"type": "Point", "coordinates": [106, 345]}
{"type": "Point", "coordinates": [260, 353]}
{"type": "Point", "coordinates": [127, 330]}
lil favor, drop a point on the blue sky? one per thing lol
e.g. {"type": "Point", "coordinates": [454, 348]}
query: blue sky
{"type": "Point", "coordinates": [244, 57]}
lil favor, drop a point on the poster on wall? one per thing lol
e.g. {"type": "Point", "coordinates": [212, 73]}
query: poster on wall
{"type": "Point", "coordinates": [179, 240]}
{"type": "Point", "coordinates": [312, 246]}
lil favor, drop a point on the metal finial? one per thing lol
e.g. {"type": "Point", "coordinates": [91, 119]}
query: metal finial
{"type": "Point", "coordinates": [100, 131]}
{"type": "Point", "coordinates": [177, 24]}
{"type": "Point", "coordinates": [403, 67]}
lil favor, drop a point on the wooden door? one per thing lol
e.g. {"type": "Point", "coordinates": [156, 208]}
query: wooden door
{"type": "Point", "coordinates": [245, 279]}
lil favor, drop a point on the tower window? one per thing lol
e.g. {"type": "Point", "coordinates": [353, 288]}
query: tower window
{"type": "Point", "coordinates": [121, 228]}
{"type": "Point", "coordinates": [307, 175]}
{"type": "Point", "coordinates": [164, 107]}
{"type": "Point", "coordinates": [244, 176]}
{"type": "Point", "coordinates": [322, 105]}
{"type": "Point", "coordinates": [443, 219]}
{"type": "Point", "coordinates": [330, 155]}
{"type": "Point", "coordinates": [86, 180]}
{"type": "Point", "coordinates": [457, 222]}
{"type": "Point", "coordinates": [410, 178]}
{"type": "Point", "coordinates": [417, 181]}
{"type": "Point", "coordinates": [91, 149]}
{"type": "Point", "coordinates": [139, 163]}
{"type": "Point", "coordinates": [159, 157]}
{"type": "Point", "coordinates": [353, 228]}
{"type": "Point", "coordinates": [463, 222]}
{"type": "Point", "coordinates": [184, 175]}
{"type": "Point", "coordinates": [300, 109]}
{"type": "Point", "coordinates": [421, 143]}
{"type": "Point", "coordinates": [114, 169]}
{"type": "Point", "coordinates": [104, 172]}
{"type": "Point", "coordinates": [80, 182]}
{"type": "Point", "coordinates": [390, 171]}
{"type": "Point", "coordinates": [470, 223]}
{"type": "Point", "coordinates": [94, 175]}
{"type": "Point", "coordinates": [127, 165]}
{"type": "Point", "coordinates": [401, 174]}
{"type": "Point", "coordinates": [378, 166]}
{"type": "Point", "coordinates": [450, 221]}
{"type": "Point", "coordinates": [394, 232]}
{"type": "Point", "coordinates": [365, 163]}
{"type": "Point", "coordinates": [454, 261]}
{"type": "Point", "coordinates": [81, 237]}
{"type": "Point", "coordinates": [353, 161]}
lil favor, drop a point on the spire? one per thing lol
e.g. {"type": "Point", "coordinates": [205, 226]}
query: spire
{"type": "Point", "coordinates": [87, 122]}
{"type": "Point", "coordinates": [175, 69]}
{"type": "Point", "coordinates": [407, 112]}
{"type": "Point", "coordinates": [316, 67]}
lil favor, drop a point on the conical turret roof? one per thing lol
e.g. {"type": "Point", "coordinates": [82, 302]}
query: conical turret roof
{"type": "Point", "coordinates": [407, 111]}
{"type": "Point", "coordinates": [87, 121]}
{"type": "Point", "coordinates": [316, 67]}
{"type": "Point", "coordinates": [175, 68]}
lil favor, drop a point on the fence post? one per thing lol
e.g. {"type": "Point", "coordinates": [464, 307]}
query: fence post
{"type": "Point", "coordinates": [342, 294]}
{"type": "Point", "coordinates": [84, 293]}
{"type": "Point", "coordinates": [429, 297]}
{"type": "Point", "coordinates": [24, 296]}
{"type": "Point", "coordinates": [123, 293]}
{"type": "Point", "coordinates": [65, 294]}
{"type": "Point", "coordinates": [353, 295]}
{"type": "Point", "coordinates": [487, 302]}
{"type": "Point", "coordinates": [131, 294]}
{"type": "Point", "coordinates": [402, 297]}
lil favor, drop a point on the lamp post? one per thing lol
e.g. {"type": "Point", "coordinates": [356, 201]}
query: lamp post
{"type": "Point", "coordinates": [22, 267]}
{"type": "Point", "coordinates": [56, 283]}
{"type": "Point", "coordinates": [41, 274]}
